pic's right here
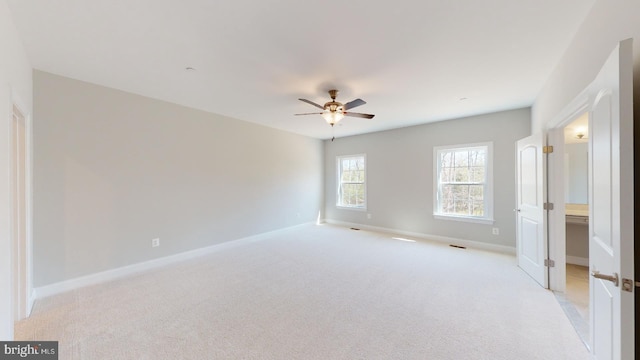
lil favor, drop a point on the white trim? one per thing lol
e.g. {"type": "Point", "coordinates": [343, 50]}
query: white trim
{"type": "Point", "coordinates": [339, 173]}
{"type": "Point", "coordinates": [442, 239]}
{"type": "Point", "coordinates": [556, 219]}
{"type": "Point", "coordinates": [15, 101]}
{"type": "Point", "coordinates": [341, 207]}
{"type": "Point", "coordinates": [575, 260]}
{"type": "Point", "coordinates": [488, 186]}
{"type": "Point", "coordinates": [578, 106]}
{"type": "Point", "coordinates": [477, 220]}
{"type": "Point", "coordinates": [113, 274]}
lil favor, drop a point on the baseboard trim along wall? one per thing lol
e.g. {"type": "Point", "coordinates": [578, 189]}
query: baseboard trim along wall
{"type": "Point", "coordinates": [575, 260]}
{"type": "Point", "coordinates": [110, 275]}
{"type": "Point", "coordinates": [443, 239]}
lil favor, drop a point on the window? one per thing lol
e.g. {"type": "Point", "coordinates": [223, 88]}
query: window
{"type": "Point", "coordinates": [463, 183]}
{"type": "Point", "coordinates": [352, 190]}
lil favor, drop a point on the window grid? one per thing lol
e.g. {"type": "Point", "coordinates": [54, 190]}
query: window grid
{"type": "Point", "coordinates": [462, 182]}
{"type": "Point", "coordinates": [351, 182]}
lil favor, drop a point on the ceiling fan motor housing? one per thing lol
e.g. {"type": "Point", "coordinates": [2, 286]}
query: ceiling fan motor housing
{"type": "Point", "coordinates": [334, 106]}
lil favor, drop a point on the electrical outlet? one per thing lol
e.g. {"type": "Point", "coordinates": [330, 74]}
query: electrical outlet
{"type": "Point", "coordinates": [369, 216]}
{"type": "Point", "coordinates": [155, 242]}
{"type": "Point", "coordinates": [495, 231]}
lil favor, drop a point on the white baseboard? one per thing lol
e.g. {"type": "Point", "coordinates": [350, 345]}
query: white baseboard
{"type": "Point", "coordinates": [443, 239]}
{"type": "Point", "coordinates": [575, 260]}
{"type": "Point", "coordinates": [128, 270]}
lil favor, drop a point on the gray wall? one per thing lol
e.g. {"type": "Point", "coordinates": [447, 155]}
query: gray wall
{"type": "Point", "coordinates": [577, 240]}
{"type": "Point", "coordinates": [15, 85]}
{"type": "Point", "coordinates": [577, 192]}
{"type": "Point", "coordinates": [400, 175]}
{"type": "Point", "coordinates": [114, 170]}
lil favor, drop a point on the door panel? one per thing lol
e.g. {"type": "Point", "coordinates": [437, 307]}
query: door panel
{"type": "Point", "coordinates": [601, 163]}
{"type": "Point", "coordinates": [603, 321]}
{"type": "Point", "coordinates": [530, 215]}
{"type": "Point", "coordinates": [611, 206]}
{"type": "Point", "coordinates": [529, 235]}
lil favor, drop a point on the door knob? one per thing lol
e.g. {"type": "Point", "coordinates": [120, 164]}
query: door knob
{"type": "Point", "coordinates": [613, 278]}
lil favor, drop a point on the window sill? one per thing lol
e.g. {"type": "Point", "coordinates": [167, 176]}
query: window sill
{"type": "Point", "coordinates": [464, 219]}
{"type": "Point", "coordinates": [351, 208]}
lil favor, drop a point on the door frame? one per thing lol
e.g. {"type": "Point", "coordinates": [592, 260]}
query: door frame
{"type": "Point", "coordinates": [25, 261]}
{"type": "Point", "coordinates": [557, 242]}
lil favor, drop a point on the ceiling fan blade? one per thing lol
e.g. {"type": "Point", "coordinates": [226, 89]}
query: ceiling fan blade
{"type": "Point", "coordinates": [312, 103]}
{"type": "Point", "coordinates": [354, 103]}
{"type": "Point", "coordinates": [309, 114]}
{"type": "Point", "coordinates": [366, 116]}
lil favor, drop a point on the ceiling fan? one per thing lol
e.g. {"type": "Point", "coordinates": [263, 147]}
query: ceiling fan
{"type": "Point", "coordinates": [334, 111]}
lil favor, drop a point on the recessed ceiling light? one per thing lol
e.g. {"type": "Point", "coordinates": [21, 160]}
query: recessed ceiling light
{"type": "Point", "coordinates": [463, 98]}
{"type": "Point", "coordinates": [189, 68]}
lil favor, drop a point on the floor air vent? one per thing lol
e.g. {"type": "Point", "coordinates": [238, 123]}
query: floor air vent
{"type": "Point", "coordinates": [458, 246]}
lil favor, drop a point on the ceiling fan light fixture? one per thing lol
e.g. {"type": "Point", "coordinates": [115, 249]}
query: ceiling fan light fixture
{"type": "Point", "coordinates": [581, 133]}
{"type": "Point", "coordinates": [332, 117]}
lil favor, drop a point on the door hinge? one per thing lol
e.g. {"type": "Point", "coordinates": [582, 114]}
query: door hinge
{"type": "Point", "coordinates": [547, 149]}
{"type": "Point", "coordinates": [548, 206]}
{"type": "Point", "coordinates": [627, 285]}
{"type": "Point", "coordinates": [549, 263]}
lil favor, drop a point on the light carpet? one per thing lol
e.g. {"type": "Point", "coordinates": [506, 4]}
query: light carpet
{"type": "Point", "coordinates": [315, 292]}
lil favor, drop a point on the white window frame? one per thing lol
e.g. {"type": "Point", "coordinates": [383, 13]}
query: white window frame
{"type": "Point", "coordinates": [339, 159]}
{"type": "Point", "coordinates": [488, 184]}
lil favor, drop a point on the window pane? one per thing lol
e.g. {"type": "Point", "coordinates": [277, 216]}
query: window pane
{"type": "Point", "coordinates": [477, 174]}
{"type": "Point", "coordinates": [461, 207]}
{"type": "Point", "coordinates": [462, 181]}
{"type": "Point", "coordinates": [461, 174]}
{"type": "Point", "coordinates": [353, 194]}
{"type": "Point", "coordinates": [461, 158]}
{"type": "Point", "coordinates": [445, 174]}
{"type": "Point", "coordinates": [351, 187]}
{"type": "Point", "coordinates": [460, 191]}
{"type": "Point", "coordinates": [446, 159]}
{"type": "Point", "coordinates": [477, 157]}
{"type": "Point", "coordinates": [446, 199]}
{"type": "Point", "coordinates": [478, 208]}
{"type": "Point", "coordinates": [455, 199]}
{"type": "Point", "coordinates": [476, 192]}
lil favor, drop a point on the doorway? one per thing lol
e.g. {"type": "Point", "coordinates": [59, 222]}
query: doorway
{"type": "Point", "coordinates": [576, 206]}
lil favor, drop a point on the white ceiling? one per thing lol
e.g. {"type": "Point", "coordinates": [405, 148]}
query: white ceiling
{"type": "Point", "coordinates": [412, 61]}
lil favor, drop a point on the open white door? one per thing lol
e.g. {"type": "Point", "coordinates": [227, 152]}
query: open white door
{"type": "Point", "coordinates": [611, 207]}
{"type": "Point", "coordinates": [531, 233]}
